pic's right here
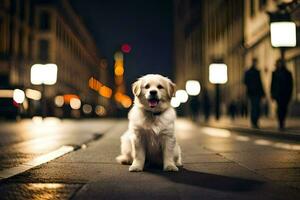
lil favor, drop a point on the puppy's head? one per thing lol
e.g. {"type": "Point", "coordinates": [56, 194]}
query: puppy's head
{"type": "Point", "coordinates": [153, 92]}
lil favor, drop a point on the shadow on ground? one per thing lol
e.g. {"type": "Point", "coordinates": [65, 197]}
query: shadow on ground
{"type": "Point", "coordinates": [211, 181]}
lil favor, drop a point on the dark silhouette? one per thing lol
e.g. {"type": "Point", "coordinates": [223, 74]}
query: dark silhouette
{"type": "Point", "coordinates": [232, 109]}
{"type": "Point", "coordinates": [206, 105]}
{"type": "Point", "coordinates": [281, 90]}
{"type": "Point", "coordinates": [255, 91]}
{"type": "Point", "coordinates": [194, 107]}
{"type": "Point", "coordinates": [242, 108]}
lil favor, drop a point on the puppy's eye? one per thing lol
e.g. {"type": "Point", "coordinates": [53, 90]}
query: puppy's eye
{"type": "Point", "coordinates": [147, 86]}
{"type": "Point", "coordinates": [160, 87]}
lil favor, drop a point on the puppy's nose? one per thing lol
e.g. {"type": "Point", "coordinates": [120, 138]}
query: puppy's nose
{"type": "Point", "coordinates": [153, 92]}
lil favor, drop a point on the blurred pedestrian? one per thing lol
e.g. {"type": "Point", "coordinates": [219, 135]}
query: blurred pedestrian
{"type": "Point", "coordinates": [281, 90]}
{"type": "Point", "coordinates": [232, 109]}
{"type": "Point", "coordinates": [206, 104]}
{"type": "Point", "coordinates": [243, 108]}
{"type": "Point", "coordinates": [194, 107]}
{"type": "Point", "coordinates": [255, 91]}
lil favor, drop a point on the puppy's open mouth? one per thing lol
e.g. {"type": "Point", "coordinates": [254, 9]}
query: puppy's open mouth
{"type": "Point", "coordinates": [153, 102]}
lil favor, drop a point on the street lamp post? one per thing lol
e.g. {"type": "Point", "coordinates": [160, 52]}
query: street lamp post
{"type": "Point", "coordinates": [217, 76]}
{"type": "Point", "coordinates": [282, 31]}
{"type": "Point", "coordinates": [43, 75]}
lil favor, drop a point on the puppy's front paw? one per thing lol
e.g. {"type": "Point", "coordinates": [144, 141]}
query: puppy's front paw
{"type": "Point", "coordinates": [179, 164]}
{"type": "Point", "coordinates": [171, 168]}
{"type": "Point", "coordinates": [135, 168]}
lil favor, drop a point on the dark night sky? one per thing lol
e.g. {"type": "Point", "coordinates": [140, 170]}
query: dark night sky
{"type": "Point", "coordinates": [144, 24]}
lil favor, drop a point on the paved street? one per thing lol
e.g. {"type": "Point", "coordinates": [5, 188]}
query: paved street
{"type": "Point", "coordinates": [217, 164]}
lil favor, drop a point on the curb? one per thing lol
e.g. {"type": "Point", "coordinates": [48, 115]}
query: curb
{"type": "Point", "coordinates": [287, 135]}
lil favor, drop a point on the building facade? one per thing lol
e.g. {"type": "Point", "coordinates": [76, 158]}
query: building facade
{"type": "Point", "coordinates": [233, 32]}
{"type": "Point", "coordinates": [43, 31]}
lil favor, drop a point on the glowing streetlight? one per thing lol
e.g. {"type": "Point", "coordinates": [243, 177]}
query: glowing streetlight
{"type": "Point", "coordinates": [192, 87]}
{"type": "Point", "coordinates": [217, 76]}
{"type": "Point", "coordinates": [218, 73]}
{"type": "Point", "coordinates": [18, 96]}
{"type": "Point", "coordinates": [87, 109]}
{"type": "Point", "coordinates": [33, 94]}
{"type": "Point", "coordinates": [282, 29]}
{"type": "Point", "coordinates": [75, 103]}
{"type": "Point", "coordinates": [182, 96]}
{"type": "Point", "coordinates": [283, 34]}
{"type": "Point", "coordinates": [59, 101]}
{"type": "Point", "coordinates": [43, 75]}
{"type": "Point", "coordinates": [175, 102]}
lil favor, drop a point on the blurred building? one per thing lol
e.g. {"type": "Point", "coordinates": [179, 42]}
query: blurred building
{"type": "Point", "coordinates": [231, 31]}
{"type": "Point", "coordinates": [49, 31]}
{"type": "Point", "coordinates": [257, 43]}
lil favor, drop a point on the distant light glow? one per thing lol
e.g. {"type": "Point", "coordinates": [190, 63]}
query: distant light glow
{"type": "Point", "coordinates": [192, 87]}
{"type": "Point", "coordinates": [75, 103]}
{"type": "Point", "coordinates": [105, 91]}
{"type": "Point", "coordinates": [175, 102]}
{"type": "Point", "coordinates": [87, 109]}
{"type": "Point", "coordinates": [262, 142]}
{"type": "Point", "coordinates": [43, 74]}
{"type": "Point", "coordinates": [6, 93]}
{"type": "Point", "coordinates": [119, 71]}
{"type": "Point", "coordinates": [33, 94]}
{"type": "Point", "coordinates": [242, 138]}
{"type": "Point", "coordinates": [37, 119]}
{"type": "Point", "coordinates": [59, 101]}
{"type": "Point", "coordinates": [51, 121]}
{"type": "Point", "coordinates": [283, 34]}
{"type": "Point", "coordinates": [218, 73]}
{"type": "Point", "coordinates": [182, 96]}
{"type": "Point", "coordinates": [126, 48]}
{"type": "Point", "coordinates": [19, 96]}
{"type": "Point", "coordinates": [100, 110]}
{"type": "Point", "coordinates": [126, 101]}
{"type": "Point", "coordinates": [118, 56]}
{"type": "Point", "coordinates": [216, 132]}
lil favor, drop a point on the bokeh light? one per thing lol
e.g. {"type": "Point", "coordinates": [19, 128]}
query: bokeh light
{"type": "Point", "coordinates": [19, 96]}
{"type": "Point", "coordinates": [75, 103]}
{"type": "Point", "coordinates": [181, 95]}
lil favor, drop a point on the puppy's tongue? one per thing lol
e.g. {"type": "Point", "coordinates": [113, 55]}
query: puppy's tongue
{"type": "Point", "coordinates": [153, 103]}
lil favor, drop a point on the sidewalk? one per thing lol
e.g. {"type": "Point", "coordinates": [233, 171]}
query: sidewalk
{"type": "Point", "coordinates": [268, 126]}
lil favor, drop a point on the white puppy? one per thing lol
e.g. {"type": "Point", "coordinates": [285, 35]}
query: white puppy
{"type": "Point", "coordinates": [150, 133]}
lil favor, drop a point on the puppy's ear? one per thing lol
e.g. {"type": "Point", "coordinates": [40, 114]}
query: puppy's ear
{"type": "Point", "coordinates": [136, 87]}
{"type": "Point", "coordinates": [171, 89]}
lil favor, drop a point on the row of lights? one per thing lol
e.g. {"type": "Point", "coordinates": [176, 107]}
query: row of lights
{"type": "Point", "coordinates": [19, 95]}
{"type": "Point", "coordinates": [192, 88]}
{"type": "Point", "coordinates": [99, 110]}
{"type": "Point", "coordinates": [75, 103]}
{"type": "Point", "coordinates": [217, 75]}
{"type": "Point", "coordinates": [102, 89]}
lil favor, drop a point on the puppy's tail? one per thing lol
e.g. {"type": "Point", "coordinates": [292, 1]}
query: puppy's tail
{"type": "Point", "coordinates": [124, 160]}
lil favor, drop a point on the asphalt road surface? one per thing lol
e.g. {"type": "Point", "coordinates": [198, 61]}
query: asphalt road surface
{"type": "Point", "coordinates": [218, 164]}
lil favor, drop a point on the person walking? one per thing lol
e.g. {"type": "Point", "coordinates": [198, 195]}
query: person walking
{"type": "Point", "coordinates": [255, 92]}
{"type": "Point", "coordinates": [281, 90]}
{"type": "Point", "coordinates": [194, 107]}
{"type": "Point", "coordinates": [206, 104]}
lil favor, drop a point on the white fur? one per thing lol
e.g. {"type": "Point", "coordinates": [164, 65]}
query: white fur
{"type": "Point", "coordinates": [151, 135]}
